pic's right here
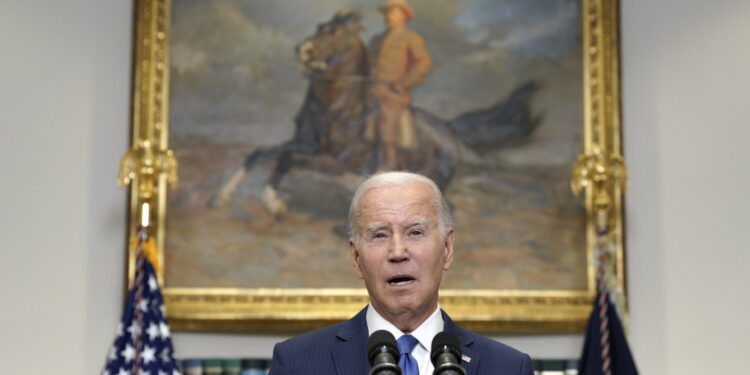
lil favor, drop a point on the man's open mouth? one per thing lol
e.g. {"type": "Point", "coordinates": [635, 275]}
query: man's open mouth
{"type": "Point", "coordinates": [401, 280]}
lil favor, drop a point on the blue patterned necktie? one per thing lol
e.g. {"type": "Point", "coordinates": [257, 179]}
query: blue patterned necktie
{"type": "Point", "coordinates": [406, 344]}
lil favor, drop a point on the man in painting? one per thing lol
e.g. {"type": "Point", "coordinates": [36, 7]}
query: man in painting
{"type": "Point", "coordinates": [400, 62]}
{"type": "Point", "coordinates": [401, 242]}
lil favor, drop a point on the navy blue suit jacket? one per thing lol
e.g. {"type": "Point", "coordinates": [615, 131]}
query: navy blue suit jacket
{"type": "Point", "coordinates": [342, 349]}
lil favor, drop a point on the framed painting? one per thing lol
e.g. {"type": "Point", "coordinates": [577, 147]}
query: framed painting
{"type": "Point", "coordinates": [272, 112]}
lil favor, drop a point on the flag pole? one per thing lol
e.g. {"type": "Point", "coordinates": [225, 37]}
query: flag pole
{"type": "Point", "coordinates": [602, 174]}
{"type": "Point", "coordinates": [145, 214]}
{"type": "Point", "coordinates": [138, 315]}
{"type": "Point", "coordinates": [139, 286]}
{"type": "Point", "coordinates": [605, 350]}
{"type": "Point", "coordinates": [601, 249]}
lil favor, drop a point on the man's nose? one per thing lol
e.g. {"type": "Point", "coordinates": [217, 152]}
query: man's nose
{"type": "Point", "coordinates": [398, 249]}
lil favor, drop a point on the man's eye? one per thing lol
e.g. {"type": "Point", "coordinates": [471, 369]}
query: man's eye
{"type": "Point", "coordinates": [379, 235]}
{"type": "Point", "coordinates": [415, 233]}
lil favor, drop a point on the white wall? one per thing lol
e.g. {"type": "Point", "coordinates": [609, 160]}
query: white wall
{"type": "Point", "coordinates": [64, 93]}
{"type": "Point", "coordinates": [687, 143]}
{"type": "Point", "coordinates": [64, 125]}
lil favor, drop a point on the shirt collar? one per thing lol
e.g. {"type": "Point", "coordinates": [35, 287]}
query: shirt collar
{"type": "Point", "coordinates": [424, 333]}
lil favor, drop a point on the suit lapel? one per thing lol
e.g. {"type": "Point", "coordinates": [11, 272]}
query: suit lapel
{"type": "Point", "coordinates": [468, 350]}
{"type": "Point", "coordinates": [349, 352]}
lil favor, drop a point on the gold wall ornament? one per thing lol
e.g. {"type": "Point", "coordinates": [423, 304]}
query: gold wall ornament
{"type": "Point", "coordinates": [145, 164]}
{"type": "Point", "coordinates": [149, 166]}
{"type": "Point", "coordinates": [601, 174]}
{"type": "Point", "coordinates": [600, 170]}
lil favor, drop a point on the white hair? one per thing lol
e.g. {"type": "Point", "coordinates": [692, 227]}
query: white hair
{"type": "Point", "coordinates": [390, 179]}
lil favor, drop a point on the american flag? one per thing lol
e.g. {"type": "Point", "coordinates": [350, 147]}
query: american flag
{"type": "Point", "coordinates": [619, 360]}
{"type": "Point", "coordinates": [605, 349]}
{"type": "Point", "coordinates": [142, 344]}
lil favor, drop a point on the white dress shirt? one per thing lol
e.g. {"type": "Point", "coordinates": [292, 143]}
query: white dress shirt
{"type": "Point", "coordinates": [424, 334]}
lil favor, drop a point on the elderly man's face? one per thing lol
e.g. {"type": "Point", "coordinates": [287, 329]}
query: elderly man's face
{"type": "Point", "coordinates": [401, 253]}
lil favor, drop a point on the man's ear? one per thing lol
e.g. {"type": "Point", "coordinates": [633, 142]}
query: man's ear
{"type": "Point", "coordinates": [355, 259]}
{"type": "Point", "coordinates": [448, 243]}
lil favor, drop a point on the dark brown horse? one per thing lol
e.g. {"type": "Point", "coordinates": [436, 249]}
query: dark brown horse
{"type": "Point", "coordinates": [330, 126]}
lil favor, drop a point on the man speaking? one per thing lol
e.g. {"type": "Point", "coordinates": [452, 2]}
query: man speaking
{"type": "Point", "coordinates": [401, 242]}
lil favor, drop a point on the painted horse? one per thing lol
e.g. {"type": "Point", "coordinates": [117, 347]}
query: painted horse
{"type": "Point", "coordinates": [331, 125]}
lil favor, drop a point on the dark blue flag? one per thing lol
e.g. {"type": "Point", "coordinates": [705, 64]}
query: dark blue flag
{"type": "Point", "coordinates": [143, 345]}
{"type": "Point", "coordinates": [620, 361]}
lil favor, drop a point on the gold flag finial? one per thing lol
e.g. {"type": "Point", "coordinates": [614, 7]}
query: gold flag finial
{"type": "Point", "coordinates": [601, 173]}
{"type": "Point", "coordinates": [145, 163]}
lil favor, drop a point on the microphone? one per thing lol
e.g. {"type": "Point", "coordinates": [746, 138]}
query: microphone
{"type": "Point", "coordinates": [446, 355]}
{"type": "Point", "coordinates": [383, 354]}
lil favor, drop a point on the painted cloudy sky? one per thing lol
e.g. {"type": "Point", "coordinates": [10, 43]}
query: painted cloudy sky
{"type": "Point", "coordinates": [235, 76]}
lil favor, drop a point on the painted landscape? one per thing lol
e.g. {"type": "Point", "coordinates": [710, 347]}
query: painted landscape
{"type": "Point", "coordinates": [237, 85]}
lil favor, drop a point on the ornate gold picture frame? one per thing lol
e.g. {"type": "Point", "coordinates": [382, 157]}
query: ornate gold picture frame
{"type": "Point", "coordinates": [150, 167]}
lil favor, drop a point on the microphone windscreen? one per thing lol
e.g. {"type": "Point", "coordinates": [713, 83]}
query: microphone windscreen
{"type": "Point", "coordinates": [380, 340]}
{"type": "Point", "coordinates": [445, 342]}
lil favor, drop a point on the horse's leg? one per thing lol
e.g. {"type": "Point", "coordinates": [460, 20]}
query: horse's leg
{"type": "Point", "coordinates": [284, 164]}
{"type": "Point", "coordinates": [227, 190]}
{"type": "Point", "coordinates": [262, 156]}
{"type": "Point", "coordinates": [273, 203]}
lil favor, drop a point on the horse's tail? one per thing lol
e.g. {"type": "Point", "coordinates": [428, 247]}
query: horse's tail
{"type": "Point", "coordinates": [509, 121]}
